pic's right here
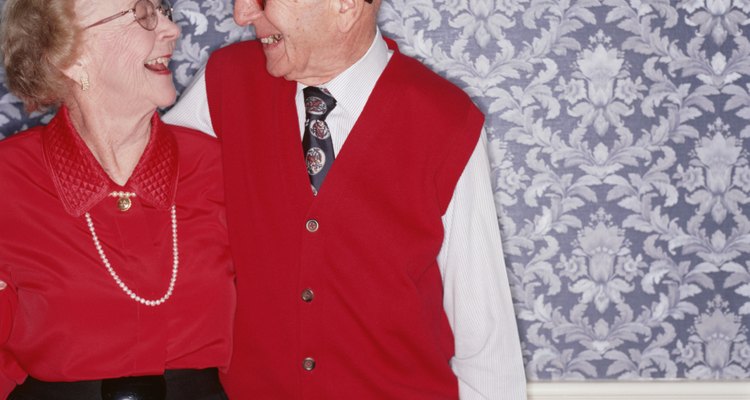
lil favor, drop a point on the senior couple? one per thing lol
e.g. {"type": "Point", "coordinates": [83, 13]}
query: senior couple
{"type": "Point", "coordinates": [355, 198]}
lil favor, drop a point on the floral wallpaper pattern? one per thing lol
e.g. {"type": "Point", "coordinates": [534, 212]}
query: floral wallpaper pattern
{"type": "Point", "coordinates": [620, 146]}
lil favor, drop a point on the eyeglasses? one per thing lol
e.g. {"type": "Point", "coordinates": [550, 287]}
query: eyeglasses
{"type": "Point", "coordinates": [144, 12]}
{"type": "Point", "coordinates": [262, 3]}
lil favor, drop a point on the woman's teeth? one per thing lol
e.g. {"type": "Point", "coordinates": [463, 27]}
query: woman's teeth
{"type": "Point", "coordinates": [158, 64]}
{"type": "Point", "coordinates": [158, 60]}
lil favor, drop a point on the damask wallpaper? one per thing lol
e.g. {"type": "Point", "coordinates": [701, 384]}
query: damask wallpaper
{"type": "Point", "coordinates": [620, 150]}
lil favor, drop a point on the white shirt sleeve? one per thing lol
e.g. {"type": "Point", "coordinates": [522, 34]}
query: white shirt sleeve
{"type": "Point", "coordinates": [192, 109]}
{"type": "Point", "coordinates": [477, 300]}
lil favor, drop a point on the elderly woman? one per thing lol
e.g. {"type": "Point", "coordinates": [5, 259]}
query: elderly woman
{"type": "Point", "coordinates": [115, 276]}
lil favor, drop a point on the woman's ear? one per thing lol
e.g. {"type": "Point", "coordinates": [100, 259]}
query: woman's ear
{"type": "Point", "coordinates": [73, 70]}
{"type": "Point", "coordinates": [78, 73]}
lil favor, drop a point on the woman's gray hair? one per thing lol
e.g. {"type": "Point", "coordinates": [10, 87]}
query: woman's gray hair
{"type": "Point", "coordinates": [38, 38]}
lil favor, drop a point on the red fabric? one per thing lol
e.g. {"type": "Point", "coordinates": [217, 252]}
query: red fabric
{"type": "Point", "coordinates": [80, 181]}
{"type": "Point", "coordinates": [376, 326]}
{"type": "Point", "coordinates": [63, 317]}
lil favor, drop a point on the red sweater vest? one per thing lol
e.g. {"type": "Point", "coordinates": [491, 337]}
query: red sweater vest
{"type": "Point", "coordinates": [361, 295]}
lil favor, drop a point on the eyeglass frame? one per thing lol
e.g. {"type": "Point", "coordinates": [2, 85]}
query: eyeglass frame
{"type": "Point", "coordinates": [262, 3]}
{"type": "Point", "coordinates": [165, 11]}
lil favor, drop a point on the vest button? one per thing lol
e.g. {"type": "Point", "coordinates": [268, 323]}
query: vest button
{"type": "Point", "coordinates": [308, 364]}
{"type": "Point", "coordinates": [307, 295]}
{"type": "Point", "coordinates": [312, 226]}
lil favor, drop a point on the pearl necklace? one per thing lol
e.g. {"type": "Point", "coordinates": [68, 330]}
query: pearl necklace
{"type": "Point", "coordinates": [120, 283]}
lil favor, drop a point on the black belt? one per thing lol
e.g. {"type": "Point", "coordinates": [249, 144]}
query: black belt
{"type": "Point", "coordinates": [179, 384]}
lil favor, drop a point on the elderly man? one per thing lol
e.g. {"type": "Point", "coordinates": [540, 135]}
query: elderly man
{"type": "Point", "coordinates": [361, 216]}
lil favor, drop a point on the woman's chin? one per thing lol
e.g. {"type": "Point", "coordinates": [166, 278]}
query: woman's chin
{"type": "Point", "coordinates": [166, 99]}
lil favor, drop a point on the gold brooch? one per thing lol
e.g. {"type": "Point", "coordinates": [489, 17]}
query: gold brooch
{"type": "Point", "coordinates": [123, 200]}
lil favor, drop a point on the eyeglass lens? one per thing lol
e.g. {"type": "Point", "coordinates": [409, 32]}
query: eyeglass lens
{"type": "Point", "coordinates": [145, 13]}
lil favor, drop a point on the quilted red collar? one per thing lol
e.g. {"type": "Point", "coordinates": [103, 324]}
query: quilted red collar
{"type": "Point", "coordinates": [80, 180]}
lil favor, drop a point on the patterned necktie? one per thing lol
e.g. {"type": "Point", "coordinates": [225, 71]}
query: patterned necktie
{"type": "Point", "coordinates": [316, 142]}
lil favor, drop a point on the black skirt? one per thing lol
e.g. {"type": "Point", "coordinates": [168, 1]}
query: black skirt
{"type": "Point", "coordinates": [182, 384]}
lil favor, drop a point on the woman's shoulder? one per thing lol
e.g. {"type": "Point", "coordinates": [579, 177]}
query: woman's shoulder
{"type": "Point", "coordinates": [23, 171]}
{"type": "Point", "coordinates": [196, 148]}
{"type": "Point", "coordinates": [21, 138]}
{"type": "Point", "coordinates": [22, 147]}
{"type": "Point", "coordinates": [200, 167]}
{"type": "Point", "coordinates": [193, 140]}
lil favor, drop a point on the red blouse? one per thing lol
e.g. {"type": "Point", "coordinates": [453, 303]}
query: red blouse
{"type": "Point", "coordinates": [62, 316]}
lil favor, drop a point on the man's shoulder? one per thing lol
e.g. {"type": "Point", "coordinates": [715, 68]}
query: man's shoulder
{"type": "Point", "coordinates": [411, 73]}
{"type": "Point", "coordinates": [428, 92]}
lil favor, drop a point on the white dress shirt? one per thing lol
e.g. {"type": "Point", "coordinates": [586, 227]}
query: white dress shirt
{"type": "Point", "coordinates": [477, 298]}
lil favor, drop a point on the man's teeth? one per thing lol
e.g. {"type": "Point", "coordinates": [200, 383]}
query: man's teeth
{"type": "Point", "coordinates": [271, 39]}
{"type": "Point", "coordinates": [158, 60]}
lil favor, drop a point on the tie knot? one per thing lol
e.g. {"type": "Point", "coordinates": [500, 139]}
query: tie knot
{"type": "Point", "coordinates": [318, 102]}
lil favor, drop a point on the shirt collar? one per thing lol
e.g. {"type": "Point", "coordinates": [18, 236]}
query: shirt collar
{"type": "Point", "coordinates": [349, 86]}
{"type": "Point", "coordinates": [81, 182]}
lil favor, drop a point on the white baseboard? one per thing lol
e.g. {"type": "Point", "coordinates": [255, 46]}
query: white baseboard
{"type": "Point", "coordinates": [645, 390]}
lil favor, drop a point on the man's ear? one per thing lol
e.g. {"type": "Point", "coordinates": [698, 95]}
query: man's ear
{"type": "Point", "coordinates": [349, 12]}
{"type": "Point", "coordinates": [246, 12]}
